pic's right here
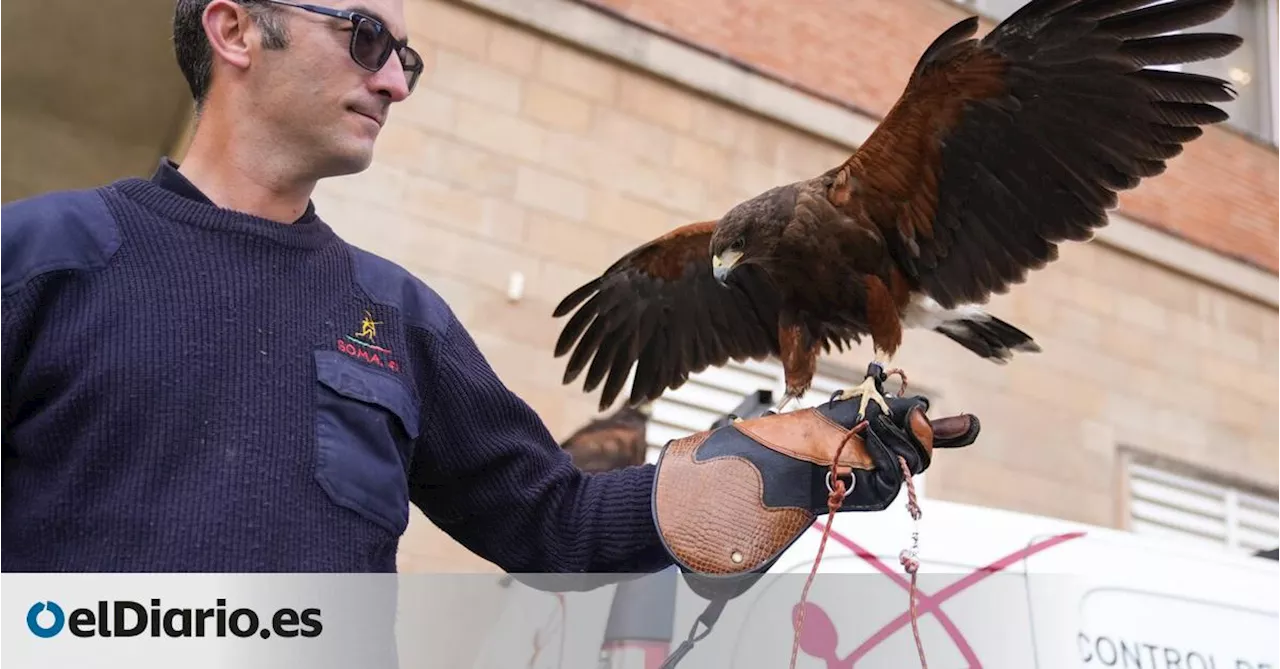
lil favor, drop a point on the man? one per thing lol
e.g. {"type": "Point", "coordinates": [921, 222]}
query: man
{"type": "Point", "coordinates": [199, 375]}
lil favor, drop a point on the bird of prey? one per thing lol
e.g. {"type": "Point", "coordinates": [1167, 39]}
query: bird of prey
{"type": "Point", "coordinates": [613, 442]}
{"type": "Point", "coordinates": [998, 150]}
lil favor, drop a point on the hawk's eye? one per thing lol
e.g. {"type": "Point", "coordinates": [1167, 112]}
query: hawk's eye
{"type": "Point", "coordinates": [738, 244]}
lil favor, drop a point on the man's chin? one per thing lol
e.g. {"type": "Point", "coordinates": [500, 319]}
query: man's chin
{"type": "Point", "coordinates": [352, 161]}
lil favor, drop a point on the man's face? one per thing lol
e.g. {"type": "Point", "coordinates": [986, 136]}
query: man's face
{"type": "Point", "coordinates": [325, 109]}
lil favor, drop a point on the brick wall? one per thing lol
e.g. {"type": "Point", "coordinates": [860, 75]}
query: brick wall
{"type": "Point", "coordinates": [519, 153]}
{"type": "Point", "coordinates": [1221, 193]}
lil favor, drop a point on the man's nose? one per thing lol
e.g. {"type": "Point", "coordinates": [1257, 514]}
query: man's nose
{"type": "Point", "coordinates": [391, 80]}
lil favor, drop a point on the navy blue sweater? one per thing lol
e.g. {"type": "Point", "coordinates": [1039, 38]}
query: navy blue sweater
{"type": "Point", "coordinates": [188, 388]}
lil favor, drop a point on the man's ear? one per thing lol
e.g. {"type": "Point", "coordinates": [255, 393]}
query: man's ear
{"type": "Point", "coordinates": [228, 26]}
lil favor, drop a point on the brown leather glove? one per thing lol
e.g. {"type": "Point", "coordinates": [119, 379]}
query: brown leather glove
{"type": "Point", "coordinates": [869, 463]}
{"type": "Point", "coordinates": [731, 499]}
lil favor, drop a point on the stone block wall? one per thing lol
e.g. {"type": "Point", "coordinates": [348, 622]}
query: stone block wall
{"type": "Point", "coordinates": [523, 154]}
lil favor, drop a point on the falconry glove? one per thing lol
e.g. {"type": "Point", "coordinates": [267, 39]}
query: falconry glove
{"type": "Point", "coordinates": [732, 499]}
{"type": "Point", "coordinates": [906, 431]}
{"type": "Point", "coordinates": [729, 501]}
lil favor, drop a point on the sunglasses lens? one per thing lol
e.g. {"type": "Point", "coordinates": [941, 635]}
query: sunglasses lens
{"type": "Point", "coordinates": [412, 66]}
{"type": "Point", "coordinates": [370, 47]}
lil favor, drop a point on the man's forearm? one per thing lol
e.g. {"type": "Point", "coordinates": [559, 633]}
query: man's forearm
{"type": "Point", "coordinates": [490, 474]}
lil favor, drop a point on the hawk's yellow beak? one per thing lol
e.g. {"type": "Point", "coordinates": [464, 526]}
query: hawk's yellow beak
{"type": "Point", "coordinates": [722, 264]}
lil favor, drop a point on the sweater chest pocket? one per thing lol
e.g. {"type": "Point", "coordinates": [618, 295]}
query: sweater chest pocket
{"type": "Point", "coordinates": [365, 425]}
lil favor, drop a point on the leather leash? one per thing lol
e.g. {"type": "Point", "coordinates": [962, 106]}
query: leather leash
{"type": "Point", "coordinates": [835, 498]}
{"type": "Point", "coordinates": [908, 557]}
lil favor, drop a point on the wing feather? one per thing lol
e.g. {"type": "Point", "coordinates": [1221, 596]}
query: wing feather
{"type": "Point", "coordinates": [999, 149]}
{"type": "Point", "coordinates": [659, 310]}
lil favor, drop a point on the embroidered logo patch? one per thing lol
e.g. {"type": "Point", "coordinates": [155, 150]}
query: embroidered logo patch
{"type": "Point", "coordinates": [362, 345]}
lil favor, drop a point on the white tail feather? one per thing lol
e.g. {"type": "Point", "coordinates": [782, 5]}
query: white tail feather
{"type": "Point", "coordinates": [925, 313]}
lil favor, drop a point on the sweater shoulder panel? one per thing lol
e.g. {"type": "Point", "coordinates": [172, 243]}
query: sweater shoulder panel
{"type": "Point", "coordinates": [61, 230]}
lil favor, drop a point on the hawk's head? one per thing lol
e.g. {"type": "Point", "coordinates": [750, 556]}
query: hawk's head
{"type": "Point", "coordinates": [749, 232]}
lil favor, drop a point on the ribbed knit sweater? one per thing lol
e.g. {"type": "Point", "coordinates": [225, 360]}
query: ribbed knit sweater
{"type": "Point", "coordinates": [189, 388]}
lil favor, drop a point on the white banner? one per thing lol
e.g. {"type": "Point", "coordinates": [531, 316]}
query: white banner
{"type": "Point", "coordinates": [992, 615]}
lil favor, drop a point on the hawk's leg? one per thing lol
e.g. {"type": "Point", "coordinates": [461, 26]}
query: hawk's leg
{"type": "Point", "coordinates": [790, 396]}
{"type": "Point", "coordinates": [787, 398]}
{"type": "Point", "coordinates": [870, 389]}
{"type": "Point", "coordinates": [799, 355]}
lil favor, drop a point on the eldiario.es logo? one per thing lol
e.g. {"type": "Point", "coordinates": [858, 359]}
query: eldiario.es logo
{"type": "Point", "coordinates": [125, 618]}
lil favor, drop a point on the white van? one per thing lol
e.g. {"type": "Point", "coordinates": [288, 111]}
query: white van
{"type": "Point", "coordinates": [998, 589]}
{"type": "Point", "coordinates": [1024, 591]}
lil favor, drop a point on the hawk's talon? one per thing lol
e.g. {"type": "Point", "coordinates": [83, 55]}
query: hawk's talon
{"type": "Point", "coordinates": [834, 396]}
{"type": "Point", "coordinates": [786, 399]}
{"type": "Point", "coordinates": [870, 391]}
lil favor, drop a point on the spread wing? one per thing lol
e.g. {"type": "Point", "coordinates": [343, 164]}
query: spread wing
{"type": "Point", "coordinates": [660, 309]}
{"type": "Point", "coordinates": [1002, 148]}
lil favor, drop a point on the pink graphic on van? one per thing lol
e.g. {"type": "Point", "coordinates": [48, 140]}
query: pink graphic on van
{"type": "Point", "coordinates": [820, 637]}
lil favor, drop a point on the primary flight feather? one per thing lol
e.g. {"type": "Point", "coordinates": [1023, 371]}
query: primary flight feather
{"type": "Point", "coordinates": [997, 151]}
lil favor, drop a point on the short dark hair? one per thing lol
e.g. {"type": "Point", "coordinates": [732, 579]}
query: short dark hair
{"type": "Point", "coordinates": [191, 45]}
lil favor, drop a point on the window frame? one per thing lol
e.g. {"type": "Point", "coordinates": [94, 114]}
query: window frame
{"type": "Point", "coordinates": [1138, 468]}
{"type": "Point", "coordinates": [1272, 65]}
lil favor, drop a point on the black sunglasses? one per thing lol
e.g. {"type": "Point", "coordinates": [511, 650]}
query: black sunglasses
{"type": "Point", "coordinates": [371, 42]}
